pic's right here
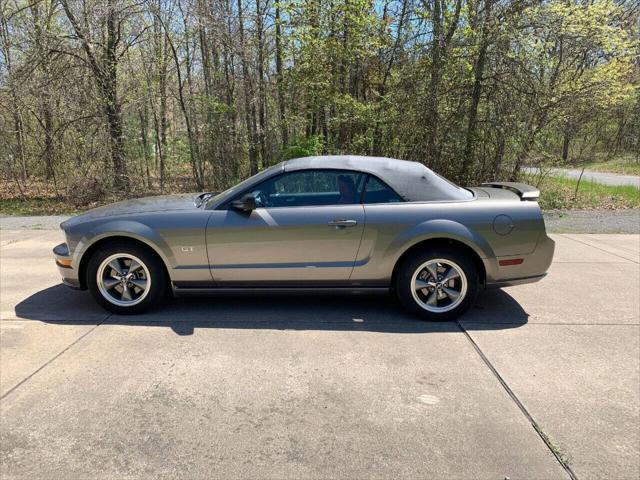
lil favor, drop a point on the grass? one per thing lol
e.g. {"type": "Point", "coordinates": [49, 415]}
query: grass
{"type": "Point", "coordinates": [555, 449]}
{"type": "Point", "coordinates": [626, 165]}
{"type": "Point", "coordinates": [36, 206]}
{"type": "Point", "coordinates": [557, 193]}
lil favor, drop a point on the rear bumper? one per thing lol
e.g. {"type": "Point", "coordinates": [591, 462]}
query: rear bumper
{"type": "Point", "coordinates": [516, 281]}
{"type": "Point", "coordinates": [67, 269]}
{"type": "Point", "coordinates": [533, 268]}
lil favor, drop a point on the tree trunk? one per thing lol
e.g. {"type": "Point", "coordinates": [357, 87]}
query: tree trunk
{"type": "Point", "coordinates": [45, 105]}
{"type": "Point", "coordinates": [431, 108]}
{"type": "Point", "coordinates": [441, 38]}
{"type": "Point", "coordinates": [185, 113]}
{"type": "Point", "coordinates": [262, 94]}
{"type": "Point", "coordinates": [20, 155]}
{"type": "Point", "coordinates": [19, 132]}
{"type": "Point", "coordinates": [144, 140]}
{"type": "Point", "coordinates": [499, 154]}
{"type": "Point", "coordinates": [160, 119]}
{"type": "Point", "coordinates": [377, 136]}
{"type": "Point", "coordinates": [284, 131]}
{"type": "Point", "coordinates": [111, 105]}
{"type": "Point", "coordinates": [229, 65]}
{"type": "Point", "coordinates": [523, 154]}
{"type": "Point", "coordinates": [49, 151]}
{"type": "Point", "coordinates": [198, 172]}
{"type": "Point", "coordinates": [468, 155]}
{"type": "Point", "coordinates": [566, 140]}
{"type": "Point", "coordinates": [249, 104]}
{"type": "Point", "coordinates": [212, 141]}
{"type": "Point", "coordinates": [114, 126]}
{"type": "Point", "coordinates": [105, 73]}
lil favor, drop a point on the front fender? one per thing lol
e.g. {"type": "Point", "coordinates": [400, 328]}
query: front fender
{"type": "Point", "coordinates": [124, 228]}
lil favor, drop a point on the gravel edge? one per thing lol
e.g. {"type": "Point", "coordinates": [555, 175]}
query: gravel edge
{"type": "Point", "coordinates": [593, 221]}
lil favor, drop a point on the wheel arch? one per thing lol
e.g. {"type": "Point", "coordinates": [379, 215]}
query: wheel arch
{"type": "Point", "coordinates": [442, 242]}
{"type": "Point", "coordinates": [116, 238]}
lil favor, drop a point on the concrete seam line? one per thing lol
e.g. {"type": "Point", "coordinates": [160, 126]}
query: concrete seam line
{"type": "Point", "coordinates": [597, 248]}
{"type": "Point", "coordinates": [628, 262]}
{"type": "Point", "coordinates": [17, 240]}
{"type": "Point", "coordinates": [517, 401]}
{"type": "Point", "coordinates": [24, 380]}
{"type": "Point", "coordinates": [632, 251]}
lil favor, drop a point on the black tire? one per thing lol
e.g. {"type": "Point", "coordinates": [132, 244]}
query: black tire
{"type": "Point", "coordinates": [409, 266]}
{"type": "Point", "coordinates": [153, 267]}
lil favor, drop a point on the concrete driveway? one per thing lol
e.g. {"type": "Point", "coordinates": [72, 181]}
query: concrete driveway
{"type": "Point", "coordinates": [538, 381]}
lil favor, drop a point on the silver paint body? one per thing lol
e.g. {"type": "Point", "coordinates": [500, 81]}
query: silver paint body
{"type": "Point", "coordinates": [216, 247]}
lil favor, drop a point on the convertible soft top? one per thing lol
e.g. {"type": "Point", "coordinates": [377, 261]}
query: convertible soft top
{"type": "Point", "coordinates": [411, 180]}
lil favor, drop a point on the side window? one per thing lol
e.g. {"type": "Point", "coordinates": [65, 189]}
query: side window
{"type": "Point", "coordinates": [311, 187]}
{"type": "Point", "coordinates": [378, 192]}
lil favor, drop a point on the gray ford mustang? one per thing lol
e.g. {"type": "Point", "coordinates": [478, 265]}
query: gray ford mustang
{"type": "Point", "coordinates": [331, 223]}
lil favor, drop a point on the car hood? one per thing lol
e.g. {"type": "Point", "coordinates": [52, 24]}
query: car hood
{"type": "Point", "coordinates": [161, 203]}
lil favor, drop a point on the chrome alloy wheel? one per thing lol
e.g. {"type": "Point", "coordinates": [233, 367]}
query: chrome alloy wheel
{"type": "Point", "coordinates": [439, 285]}
{"type": "Point", "coordinates": [123, 279]}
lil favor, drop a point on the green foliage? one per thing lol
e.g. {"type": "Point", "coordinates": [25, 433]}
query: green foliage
{"type": "Point", "coordinates": [560, 194]}
{"type": "Point", "coordinates": [303, 147]}
{"type": "Point", "coordinates": [624, 164]}
{"type": "Point", "coordinates": [36, 206]}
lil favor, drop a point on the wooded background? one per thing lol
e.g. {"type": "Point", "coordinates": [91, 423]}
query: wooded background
{"type": "Point", "coordinates": [135, 97]}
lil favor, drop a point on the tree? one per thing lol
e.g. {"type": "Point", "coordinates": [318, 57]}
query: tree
{"type": "Point", "coordinates": [104, 68]}
{"type": "Point", "coordinates": [134, 98]}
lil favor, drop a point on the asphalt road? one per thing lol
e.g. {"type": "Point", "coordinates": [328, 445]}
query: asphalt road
{"type": "Point", "coordinates": [591, 176]}
{"type": "Point", "coordinates": [324, 387]}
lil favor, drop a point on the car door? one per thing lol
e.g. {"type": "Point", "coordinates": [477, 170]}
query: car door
{"type": "Point", "coordinates": [306, 230]}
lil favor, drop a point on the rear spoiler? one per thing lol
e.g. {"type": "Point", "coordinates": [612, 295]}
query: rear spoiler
{"type": "Point", "coordinates": [524, 191]}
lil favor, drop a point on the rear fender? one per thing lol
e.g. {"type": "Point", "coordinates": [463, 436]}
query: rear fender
{"type": "Point", "coordinates": [437, 229]}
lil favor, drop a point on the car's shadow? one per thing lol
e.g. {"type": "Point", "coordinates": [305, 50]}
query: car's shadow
{"type": "Point", "coordinates": [494, 309]}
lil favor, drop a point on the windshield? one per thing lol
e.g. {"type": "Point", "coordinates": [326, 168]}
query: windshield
{"type": "Point", "coordinates": [240, 186]}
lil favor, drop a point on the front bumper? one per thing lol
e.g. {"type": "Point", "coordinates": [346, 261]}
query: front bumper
{"type": "Point", "coordinates": [64, 262]}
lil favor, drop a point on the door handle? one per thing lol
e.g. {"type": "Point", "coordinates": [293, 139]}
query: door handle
{"type": "Point", "coordinates": [342, 223]}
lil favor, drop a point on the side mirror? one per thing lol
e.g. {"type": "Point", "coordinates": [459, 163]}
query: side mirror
{"type": "Point", "coordinates": [245, 204]}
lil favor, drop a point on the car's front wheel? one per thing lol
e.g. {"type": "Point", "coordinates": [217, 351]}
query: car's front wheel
{"type": "Point", "coordinates": [437, 285]}
{"type": "Point", "coordinates": [125, 279]}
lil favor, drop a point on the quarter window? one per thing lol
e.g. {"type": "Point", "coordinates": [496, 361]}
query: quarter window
{"type": "Point", "coordinates": [378, 192]}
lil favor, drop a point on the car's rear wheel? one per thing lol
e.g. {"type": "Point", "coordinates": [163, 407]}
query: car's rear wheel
{"type": "Point", "coordinates": [437, 285]}
{"type": "Point", "coordinates": [125, 278]}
